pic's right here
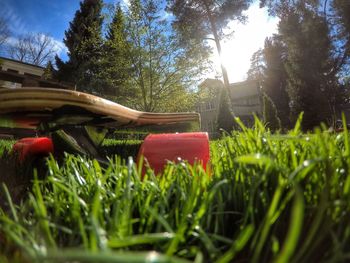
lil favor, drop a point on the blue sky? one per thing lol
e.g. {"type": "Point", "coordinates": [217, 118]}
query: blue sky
{"type": "Point", "coordinates": [44, 16]}
{"type": "Point", "coordinates": [52, 17]}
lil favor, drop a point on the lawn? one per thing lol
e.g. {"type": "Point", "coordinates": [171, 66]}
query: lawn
{"type": "Point", "coordinates": [268, 198]}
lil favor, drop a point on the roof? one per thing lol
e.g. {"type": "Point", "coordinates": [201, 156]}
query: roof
{"type": "Point", "coordinates": [237, 90]}
{"type": "Point", "coordinates": [211, 83]}
{"type": "Point", "coordinates": [243, 89]}
{"type": "Point", "coordinates": [21, 62]}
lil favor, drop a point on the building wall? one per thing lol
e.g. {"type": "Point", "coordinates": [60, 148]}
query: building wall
{"type": "Point", "coordinates": [246, 101]}
{"type": "Point", "coordinates": [20, 68]}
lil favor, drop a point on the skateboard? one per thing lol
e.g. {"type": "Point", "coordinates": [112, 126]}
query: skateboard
{"type": "Point", "coordinates": [77, 122]}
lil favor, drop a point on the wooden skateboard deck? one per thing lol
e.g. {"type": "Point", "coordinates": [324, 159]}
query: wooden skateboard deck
{"type": "Point", "coordinates": [34, 108]}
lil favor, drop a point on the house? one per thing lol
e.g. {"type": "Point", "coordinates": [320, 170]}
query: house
{"type": "Point", "coordinates": [18, 68]}
{"type": "Point", "coordinates": [18, 74]}
{"type": "Point", "coordinates": [245, 97]}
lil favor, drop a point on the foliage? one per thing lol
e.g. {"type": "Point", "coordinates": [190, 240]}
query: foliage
{"type": "Point", "coordinates": [225, 119]}
{"type": "Point", "coordinates": [197, 21]}
{"type": "Point", "coordinates": [49, 71]}
{"type": "Point", "coordinates": [115, 65]}
{"type": "Point", "coordinates": [257, 67]}
{"type": "Point", "coordinates": [270, 115]}
{"type": "Point", "coordinates": [84, 43]}
{"type": "Point", "coordinates": [275, 82]}
{"type": "Point", "coordinates": [307, 61]}
{"type": "Point", "coordinates": [161, 71]}
{"type": "Point", "coordinates": [269, 198]}
{"type": "Point", "coordinates": [5, 146]}
{"type": "Point", "coordinates": [308, 65]}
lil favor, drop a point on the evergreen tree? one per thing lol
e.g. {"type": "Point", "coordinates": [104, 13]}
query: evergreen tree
{"type": "Point", "coordinates": [115, 64]}
{"type": "Point", "coordinates": [275, 82]}
{"type": "Point", "coordinates": [306, 37]}
{"type": "Point", "coordinates": [257, 68]}
{"type": "Point", "coordinates": [316, 37]}
{"type": "Point", "coordinates": [49, 71]}
{"type": "Point", "coordinates": [83, 41]}
{"type": "Point", "coordinates": [225, 120]}
{"type": "Point", "coordinates": [270, 114]}
{"type": "Point", "coordinates": [267, 68]}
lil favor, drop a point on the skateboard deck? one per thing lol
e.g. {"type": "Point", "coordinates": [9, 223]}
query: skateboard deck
{"type": "Point", "coordinates": [32, 109]}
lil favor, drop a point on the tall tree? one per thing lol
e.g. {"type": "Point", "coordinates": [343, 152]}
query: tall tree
{"type": "Point", "coordinates": [268, 69]}
{"type": "Point", "coordinates": [270, 114]}
{"type": "Point", "coordinates": [197, 20]}
{"type": "Point", "coordinates": [257, 68]}
{"type": "Point", "coordinates": [161, 71]}
{"type": "Point", "coordinates": [275, 82]}
{"type": "Point", "coordinates": [316, 36]}
{"type": "Point", "coordinates": [115, 63]}
{"type": "Point", "coordinates": [309, 61]}
{"type": "Point", "coordinates": [338, 15]}
{"type": "Point", "coordinates": [34, 48]}
{"type": "Point", "coordinates": [84, 43]}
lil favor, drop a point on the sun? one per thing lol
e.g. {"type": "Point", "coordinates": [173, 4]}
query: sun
{"type": "Point", "coordinates": [247, 39]}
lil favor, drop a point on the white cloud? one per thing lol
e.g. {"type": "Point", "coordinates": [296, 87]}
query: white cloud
{"type": "Point", "coordinates": [59, 46]}
{"type": "Point", "coordinates": [15, 23]}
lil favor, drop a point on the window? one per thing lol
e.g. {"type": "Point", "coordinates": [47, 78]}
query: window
{"type": "Point", "coordinates": [12, 71]}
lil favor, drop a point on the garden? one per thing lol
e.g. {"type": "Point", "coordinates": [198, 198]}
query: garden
{"type": "Point", "coordinates": [267, 198]}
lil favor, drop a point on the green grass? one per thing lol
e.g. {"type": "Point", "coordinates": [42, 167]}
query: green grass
{"type": "Point", "coordinates": [269, 198]}
{"type": "Point", "coordinates": [5, 146]}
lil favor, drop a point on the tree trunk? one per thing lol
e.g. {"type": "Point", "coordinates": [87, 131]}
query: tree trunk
{"type": "Point", "coordinates": [219, 50]}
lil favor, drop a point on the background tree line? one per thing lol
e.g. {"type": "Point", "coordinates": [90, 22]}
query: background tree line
{"type": "Point", "coordinates": [136, 54]}
{"type": "Point", "coordinates": [139, 61]}
{"type": "Point", "coordinates": [142, 59]}
{"type": "Point", "coordinates": [305, 66]}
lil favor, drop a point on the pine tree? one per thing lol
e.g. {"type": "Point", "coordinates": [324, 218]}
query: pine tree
{"type": "Point", "coordinates": [225, 120]}
{"type": "Point", "coordinates": [115, 63]}
{"type": "Point", "coordinates": [83, 41]}
{"type": "Point", "coordinates": [316, 37]}
{"type": "Point", "coordinates": [49, 71]}
{"type": "Point", "coordinates": [257, 68]}
{"type": "Point", "coordinates": [275, 82]}
{"type": "Point", "coordinates": [270, 114]}
{"type": "Point", "coordinates": [308, 45]}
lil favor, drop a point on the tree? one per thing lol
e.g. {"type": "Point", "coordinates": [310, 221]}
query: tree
{"type": "Point", "coordinates": [115, 62]}
{"type": "Point", "coordinates": [84, 43]}
{"type": "Point", "coordinates": [257, 68]}
{"type": "Point", "coordinates": [316, 38]}
{"type": "Point", "coordinates": [270, 114]}
{"type": "Point", "coordinates": [196, 20]}
{"type": "Point", "coordinates": [4, 31]}
{"type": "Point", "coordinates": [225, 120]}
{"type": "Point", "coordinates": [275, 82]}
{"type": "Point", "coordinates": [339, 19]}
{"type": "Point", "coordinates": [308, 65]}
{"type": "Point", "coordinates": [268, 69]}
{"type": "Point", "coordinates": [161, 73]}
{"type": "Point", "coordinates": [49, 72]}
{"type": "Point", "coordinates": [33, 48]}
